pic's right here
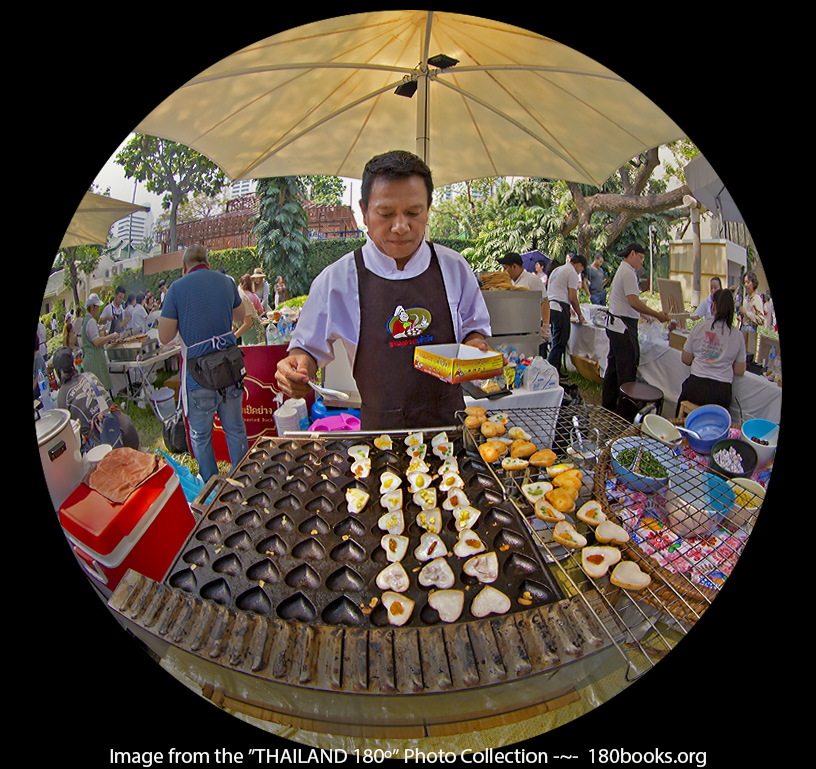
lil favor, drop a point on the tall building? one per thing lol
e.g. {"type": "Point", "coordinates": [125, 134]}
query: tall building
{"type": "Point", "coordinates": [133, 228]}
{"type": "Point", "coordinates": [243, 187]}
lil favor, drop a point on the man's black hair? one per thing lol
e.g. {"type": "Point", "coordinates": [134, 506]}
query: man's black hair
{"type": "Point", "coordinates": [397, 164]}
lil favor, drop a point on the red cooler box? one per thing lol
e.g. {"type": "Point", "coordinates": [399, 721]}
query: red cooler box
{"type": "Point", "coordinates": [145, 533]}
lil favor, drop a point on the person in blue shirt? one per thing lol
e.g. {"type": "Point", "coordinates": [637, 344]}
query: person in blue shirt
{"type": "Point", "coordinates": [201, 307]}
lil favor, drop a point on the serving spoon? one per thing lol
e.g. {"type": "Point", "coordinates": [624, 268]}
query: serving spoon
{"type": "Point", "coordinates": [692, 433]}
{"type": "Point", "coordinates": [326, 391]}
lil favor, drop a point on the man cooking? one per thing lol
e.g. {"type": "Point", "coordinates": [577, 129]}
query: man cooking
{"type": "Point", "coordinates": [625, 309]}
{"type": "Point", "coordinates": [513, 265]}
{"type": "Point", "coordinates": [368, 296]}
{"type": "Point", "coordinates": [114, 312]}
{"type": "Point", "coordinates": [94, 359]}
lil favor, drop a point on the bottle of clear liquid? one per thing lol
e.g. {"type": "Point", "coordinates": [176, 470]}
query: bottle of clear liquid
{"type": "Point", "coordinates": [45, 391]}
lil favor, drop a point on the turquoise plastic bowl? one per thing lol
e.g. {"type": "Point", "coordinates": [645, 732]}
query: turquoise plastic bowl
{"type": "Point", "coordinates": [759, 428]}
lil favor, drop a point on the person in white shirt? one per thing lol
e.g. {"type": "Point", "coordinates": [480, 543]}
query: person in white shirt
{"type": "Point", "coordinates": [716, 353]}
{"type": "Point", "coordinates": [625, 309]}
{"type": "Point", "coordinates": [562, 287]}
{"type": "Point", "coordinates": [138, 316]}
{"type": "Point", "coordinates": [704, 309]}
{"type": "Point", "coordinates": [380, 301]}
{"type": "Point", "coordinates": [513, 265]}
{"type": "Point", "coordinates": [113, 313]}
{"type": "Point", "coordinates": [127, 313]}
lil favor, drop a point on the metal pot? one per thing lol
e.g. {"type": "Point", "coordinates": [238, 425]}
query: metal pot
{"type": "Point", "coordinates": [60, 455]}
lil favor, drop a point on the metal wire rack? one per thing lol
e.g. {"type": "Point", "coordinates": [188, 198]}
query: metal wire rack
{"type": "Point", "coordinates": [647, 623]}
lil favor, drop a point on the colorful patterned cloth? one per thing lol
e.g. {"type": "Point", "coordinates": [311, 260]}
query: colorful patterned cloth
{"type": "Point", "coordinates": [706, 561]}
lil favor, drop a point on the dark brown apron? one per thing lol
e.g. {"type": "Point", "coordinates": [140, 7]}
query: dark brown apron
{"type": "Point", "coordinates": [396, 316]}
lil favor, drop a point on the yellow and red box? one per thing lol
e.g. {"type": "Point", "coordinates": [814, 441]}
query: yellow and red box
{"type": "Point", "coordinates": [455, 363]}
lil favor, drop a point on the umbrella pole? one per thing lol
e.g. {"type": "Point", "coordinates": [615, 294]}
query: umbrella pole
{"type": "Point", "coordinates": [422, 140]}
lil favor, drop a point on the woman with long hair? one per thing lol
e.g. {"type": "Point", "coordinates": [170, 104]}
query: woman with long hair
{"type": "Point", "coordinates": [715, 350]}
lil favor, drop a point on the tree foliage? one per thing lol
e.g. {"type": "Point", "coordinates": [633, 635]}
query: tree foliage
{"type": "Point", "coordinates": [168, 167]}
{"type": "Point", "coordinates": [322, 190]}
{"type": "Point", "coordinates": [557, 217]}
{"type": "Point", "coordinates": [74, 261]}
{"type": "Point", "coordinates": [280, 231]}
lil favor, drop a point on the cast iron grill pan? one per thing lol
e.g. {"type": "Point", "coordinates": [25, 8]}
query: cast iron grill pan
{"type": "Point", "coordinates": [283, 544]}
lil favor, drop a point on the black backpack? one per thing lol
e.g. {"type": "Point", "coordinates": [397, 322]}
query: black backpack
{"type": "Point", "coordinates": [174, 434]}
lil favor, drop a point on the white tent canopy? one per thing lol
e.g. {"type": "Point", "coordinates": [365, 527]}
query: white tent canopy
{"type": "Point", "coordinates": [320, 99]}
{"type": "Point", "coordinates": [93, 219]}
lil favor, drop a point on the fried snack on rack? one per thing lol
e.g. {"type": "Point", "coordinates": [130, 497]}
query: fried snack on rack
{"type": "Point", "coordinates": [501, 446]}
{"type": "Point", "coordinates": [628, 575]}
{"type": "Point", "coordinates": [543, 458]}
{"type": "Point", "coordinates": [476, 411]}
{"type": "Point", "coordinates": [592, 514]}
{"type": "Point", "coordinates": [561, 467]}
{"type": "Point", "coordinates": [474, 422]}
{"type": "Point", "coordinates": [565, 534]}
{"type": "Point", "coordinates": [489, 452]}
{"type": "Point", "coordinates": [522, 449]}
{"type": "Point", "coordinates": [513, 465]}
{"type": "Point", "coordinates": [546, 512]}
{"type": "Point", "coordinates": [569, 478]}
{"type": "Point", "coordinates": [561, 499]}
{"type": "Point", "coordinates": [492, 429]}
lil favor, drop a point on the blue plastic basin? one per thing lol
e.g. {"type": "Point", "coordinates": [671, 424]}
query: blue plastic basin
{"type": "Point", "coordinates": [712, 423]}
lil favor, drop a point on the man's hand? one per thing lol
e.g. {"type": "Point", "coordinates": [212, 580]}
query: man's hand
{"type": "Point", "coordinates": [477, 340]}
{"type": "Point", "coordinates": [294, 372]}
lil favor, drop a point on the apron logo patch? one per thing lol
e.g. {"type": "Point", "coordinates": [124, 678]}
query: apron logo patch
{"type": "Point", "coordinates": [408, 324]}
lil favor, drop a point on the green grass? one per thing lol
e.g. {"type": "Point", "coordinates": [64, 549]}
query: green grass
{"type": "Point", "coordinates": [149, 428]}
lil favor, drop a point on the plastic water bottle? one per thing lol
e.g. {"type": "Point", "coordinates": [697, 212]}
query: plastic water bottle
{"type": "Point", "coordinates": [512, 358]}
{"type": "Point", "coordinates": [45, 391]}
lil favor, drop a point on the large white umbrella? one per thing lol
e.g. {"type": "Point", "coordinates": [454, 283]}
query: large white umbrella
{"type": "Point", "coordinates": [93, 219]}
{"type": "Point", "coordinates": [708, 188]}
{"type": "Point", "coordinates": [320, 99]}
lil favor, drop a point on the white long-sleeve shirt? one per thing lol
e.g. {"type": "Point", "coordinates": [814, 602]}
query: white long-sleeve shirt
{"type": "Point", "coordinates": [332, 311]}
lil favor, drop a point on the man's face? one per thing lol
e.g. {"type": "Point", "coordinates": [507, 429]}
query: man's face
{"type": "Point", "coordinates": [513, 270]}
{"type": "Point", "coordinates": [578, 267]}
{"type": "Point", "coordinates": [636, 258]}
{"type": "Point", "coordinates": [118, 299]}
{"type": "Point", "coordinates": [396, 216]}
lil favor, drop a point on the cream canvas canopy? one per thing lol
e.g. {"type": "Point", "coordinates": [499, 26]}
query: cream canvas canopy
{"type": "Point", "coordinates": [93, 219]}
{"type": "Point", "coordinates": [477, 98]}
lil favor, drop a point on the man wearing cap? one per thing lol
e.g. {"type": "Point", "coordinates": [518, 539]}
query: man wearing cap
{"type": "Point", "coordinates": [563, 286]}
{"type": "Point", "coordinates": [201, 307]}
{"type": "Point", "coordinates": [356, 300]}
{"type": "Point", "coordinates": [94, 359]}
{"type": "Point", "coordinates": [625, 309]}
{"type": "Point", "coordinates": [513, 265]}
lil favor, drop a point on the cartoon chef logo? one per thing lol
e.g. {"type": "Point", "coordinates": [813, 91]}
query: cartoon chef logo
{"type": "Point", "coordinates": [404, 324]}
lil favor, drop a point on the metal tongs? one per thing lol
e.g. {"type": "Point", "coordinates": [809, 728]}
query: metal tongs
{"type": "Point", "coordinates": [584, 450]}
